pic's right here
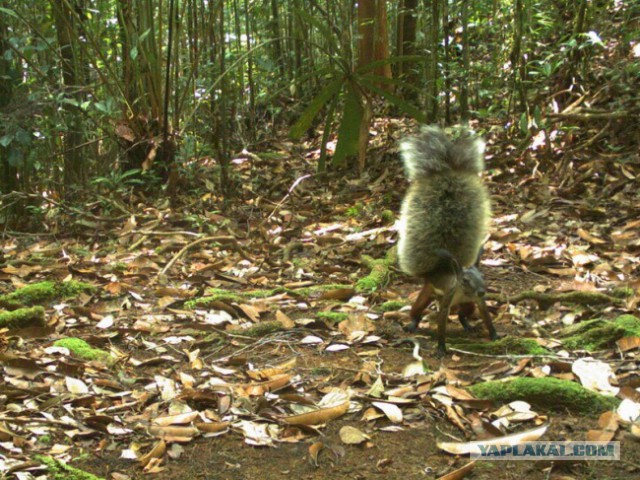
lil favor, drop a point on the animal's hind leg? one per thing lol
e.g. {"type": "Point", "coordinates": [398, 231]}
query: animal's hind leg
{"type": "Point", "coordinates": [419, 305]}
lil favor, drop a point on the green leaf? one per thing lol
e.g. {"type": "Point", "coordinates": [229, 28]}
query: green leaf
{"type": "Point", "coordinates": [5, 140]}
{"type": "Point", "coordinates": [537, 116]}
{"type": "Point", "coordinates": [304, 122]}
{"type": "Point", "coordinates": [325, 136]}
{"type": "Point", "coordinates": [144, 35]}
{"type": "Point", "coordinates": [70, 101]}
{"type": "Point", "coordinates": [24, 138]}
{"type": "Point", "coordinates": [15, 157]}
{"type": "Point", "coordinates": [524, 123]}
{"type": "Point", "coordinates": [349, 131]}
{"type": "Point", "coordinates": [101, 107]}
{"type": "Point", "coordinates": [11, 13]}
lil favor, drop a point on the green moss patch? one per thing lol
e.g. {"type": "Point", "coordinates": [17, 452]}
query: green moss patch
{"type": "Point", "coordinates": [380, 272]}
{"type": "Point", "coordinates": [599, 334]}
{"type": "Point", "coordinates": [46, 291]}
{"type": "Point", "coordinates": [61, 471]}
{"type": "Point", "coordinates": [332, 317]}
{"type": "Point", "coordinates": [214, 295]}
{"type": "Point", "coordinates": [392, 305]}
{"type": "Point", "coordinates": [82, 349]}
{"type": "Point", "coordinates": [546, 393]}
{"type": "Point", "coordinates": [505, 346]}
{"type": "Point", "coordinates": [263, 329]}
{"type": "Point", "coordinates": [317, 290]}
{"type": "Point", "coordinates": [546, 300]}
{"type": "Point", "coordinates": [388, 217]}
{"type": "Point", "coordinates": [22, 318]}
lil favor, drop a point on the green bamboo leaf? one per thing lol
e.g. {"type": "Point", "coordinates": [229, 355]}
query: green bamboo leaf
{"type": "Point", "coordinates": [524, 123]}
{"type": "Point", "coordinates": [5, 140]}
{"type": "Point", "coordinates": [349, 131]}
{"type": "Point", "coordinates": [312, 110]}
{"type": "Point", "coordinates": [325, 136]}
{"type": "Point", "coordinates": [11, 13]}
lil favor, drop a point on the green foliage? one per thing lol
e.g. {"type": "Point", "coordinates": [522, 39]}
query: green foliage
{"type": "Point", "coordinates": [61, 471]}
{"type": "Point", "coordinates": [119, 181]}
{"type": "Point", "coordinates": [392, 305]}
{"type": "Point", "coordinates": [599, 334]}
{"type": "Point", "coordinates": [82, 349]}
{"type": "Point", "coordinates": [350, 88]}
{"type": "Point", "coordinates": [45, 291]}
{"type": "Point", "coordinates": [380, 272]}
{"type": "Point", "coordinates": [45, 439]}
{"type": "Point", "coordinates": [388, 217]}
{"type": "Point", "coordinates": [246, 75]}
{"type": "Point", "coordinates": [332, 317]}
{"type": "Point", "coordinates": [504, 346]}
{"type": "Point", "coordinates": [349, 131]}
{"type": "Point", "coordinates": [355, 211]}
{"type": "Point", "coordinates": [22, 318]}
{"type": "Point", "coordinates": [547, 393]}
{"type": "Point", "coordinates": [263, 329]}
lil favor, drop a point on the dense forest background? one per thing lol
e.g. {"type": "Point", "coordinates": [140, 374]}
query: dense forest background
{"type": "Point", "coordinates": [101, 96]}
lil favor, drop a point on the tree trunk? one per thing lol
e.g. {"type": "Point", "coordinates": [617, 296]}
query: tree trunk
{"type": "Point", "coordinates": [446, 70]}
{"type": "Point", "coordinates": [366, 23]}
{"type": "Point", "coordinates": [517, 62]}
{"type": "Point", "coordinates": [432, 70]}
{"type": "Point", "coordinates": [8, 171]}
{"type": "Point", "coordinates": [374, 39]}
{"type": "Point", "coordinates": [464, 78]}
{"type": "Point", "coordinates": [406, 45]}
{"type": "Point", "coordinates": [277, 42]}
{"type": "Point", "coordinates": [75, 171]}
{"type": "Point", "coordinates": [251, 84]}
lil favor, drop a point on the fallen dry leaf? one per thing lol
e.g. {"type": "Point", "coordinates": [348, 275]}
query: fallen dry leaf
{"type": "Point", "coordinates": [392, 411]}
{"type": "Point", "coordinates": [272, 385]}
{"type": "Point", "coordinates": [173, 434]}
{"type": "Point", "coordinates": [212, 427]}
{"type": "Point", "coordinates": [178, 419]}
{"type": "Point", "coordinates": [459, 473]}
{"type": "Point", "coordinates": [608, 423]}
{"type": "Point", "coordinates": [314, 451]}
{"type": "Point", "coordinates": [352, 436]}
{"type": "Point", "coordinates": [318, 417]}
{"type": "Point", "coordinates": [467, 448]}
{"type": "Point", "coordinates": [157, 452]}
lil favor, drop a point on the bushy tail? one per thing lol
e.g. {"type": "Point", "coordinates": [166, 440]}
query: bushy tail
{"type": "Point", "coordinates": [431, 151]}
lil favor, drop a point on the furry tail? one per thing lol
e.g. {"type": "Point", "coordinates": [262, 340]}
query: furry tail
{"type": "Point", "coordinates": [431, 151]}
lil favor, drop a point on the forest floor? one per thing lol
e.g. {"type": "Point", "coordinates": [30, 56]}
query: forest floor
{"type": "Point", "coordinates": [223, 389]}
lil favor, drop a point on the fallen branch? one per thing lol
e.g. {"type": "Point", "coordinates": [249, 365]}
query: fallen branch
{"type": "Point", "coordinates": [587, 116]}
{"type": "Point", "coordinates": [233, 241]}
{"type": "Point", "coordinates": [546, 300]}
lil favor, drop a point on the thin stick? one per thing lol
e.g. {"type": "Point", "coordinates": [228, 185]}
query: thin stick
{"type": "Point", "coordinates": [285, 198]}
{"type": "Point", "coordinates": [221, 238]}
